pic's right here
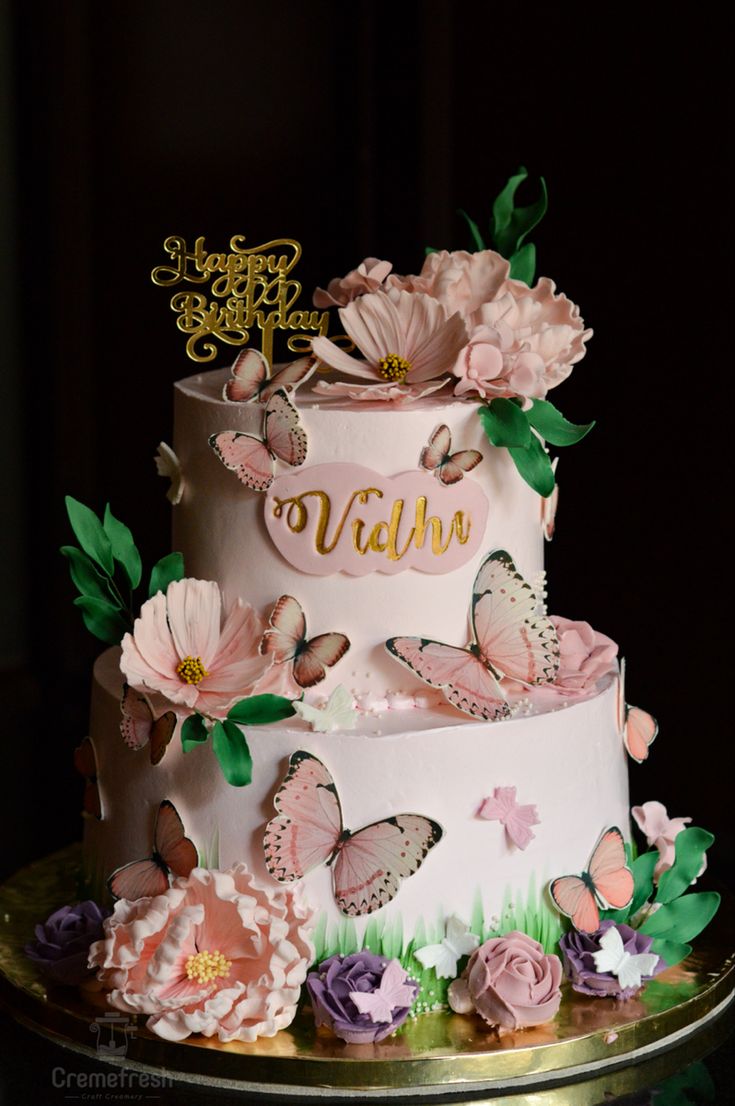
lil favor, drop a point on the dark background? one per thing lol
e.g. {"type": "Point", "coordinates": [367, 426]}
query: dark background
{"type": "Point", "coordinates": [359, 129]}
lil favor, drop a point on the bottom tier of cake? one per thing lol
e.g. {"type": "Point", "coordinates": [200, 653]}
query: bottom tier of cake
{"type": "Point", "coordinates": [569, 763]}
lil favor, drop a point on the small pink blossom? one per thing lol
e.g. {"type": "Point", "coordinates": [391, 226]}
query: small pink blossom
{"type": "Point", "coordinates": [369, 276]}
{"type": "Point", "coordinates": [660, 832]}
{"type": "Point", "coordinates": [218, 954]}
{"type": "Point", "coordinates": [184, 648]}
{"type": "Point", "coordinates": [502, 807]}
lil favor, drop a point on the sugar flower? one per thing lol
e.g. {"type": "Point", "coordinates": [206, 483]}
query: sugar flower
{"type": "Point", "coordinates": [218, 954]}
{"type": "Point", "coordinates": [398, 394]}
{"type": "Point", "coordinates": [459, 280]}
{"type": "Point", "coordinates": [362, 998]}
{"type": "Point", "coordinates": [183, 647]}
{"type": "Point", "coordinates": [510, 982]}
{"type": "Point", "coordinates": [167, 464]}
{"type": "Point", "coordinates": [517, 818]}
{"type": "Point", "coordinates": [589, 972]}
{"type": "Point", "coordinates": [661, 832]}
{"type": "Point", "coordinates": [584, 655]}
{"type": "Point", "coordinates": [61, 945]}
{"type": "Point", "coordinates": [369, 276]}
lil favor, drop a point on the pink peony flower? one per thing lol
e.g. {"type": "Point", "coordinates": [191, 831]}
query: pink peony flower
{"type": "Point", "coordinates": [585, 655]}
{"type": "Point", "coordinates": [403, 336]}
{"type": "Point", "coordinates": [459, 280]}
{"type": "Point", "coordinates": [510, 982]}
{"type": "Point", "coordinates": [181, 648]}
{"type": "Point", "coordinates": [661, 832]}
{"type": "Point", "coordinates": [482, 369]}
{"type": "Point", "coordinates": [367, 277]}
{"type": "Point", "coordinates": [218, 954]}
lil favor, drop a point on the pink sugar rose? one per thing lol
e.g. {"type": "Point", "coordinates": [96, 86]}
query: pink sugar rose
{"type": "Point", "coordinates": [510, 982]}
{"type": "Point", "coordinates": [585, 655]}
{"type": "Point", "coordinates": [661, 833]}
{"type": "Point", "coordinates": [218, 954]}
{"type": "Point", "coordinates": [369, 276]}
{"type": "Point", "coordinates": [184, 648]}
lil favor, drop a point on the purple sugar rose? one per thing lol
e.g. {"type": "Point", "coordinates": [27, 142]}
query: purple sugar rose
{"type": "Point", "coordinates": [579, 961]}
{"type": "Point", "coordinates": [331, 985]}
{"type": "Point", "coordinates": [62, 942]}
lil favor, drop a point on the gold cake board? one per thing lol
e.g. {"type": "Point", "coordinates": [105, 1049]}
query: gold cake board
{"type": "Point", "coordinates": [595, 1048]}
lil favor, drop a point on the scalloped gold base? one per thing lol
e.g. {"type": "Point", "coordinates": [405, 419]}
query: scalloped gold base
{"type": "Point", "coordinates": [596, 1047]}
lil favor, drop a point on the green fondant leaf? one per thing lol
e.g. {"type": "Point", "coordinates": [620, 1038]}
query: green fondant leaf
{"type": "Point", "coordinates": [534, 465]}
{"type": "Point", "coordinates": [232, 752]}
{"type": "Point", "coordinates": [90, 534]}
{"type": "Point", "coordinates": [123, 547]}
{"type": "Point", "coordinates": [684, 918]}
{"type": "Point", "coordinates": [505, 423]}
{"type": "Point", "coordinates": [523, 264]}
{"type": "Point", "coordinates": [552, 425]}
{"type": "Point", "coordinates": [87, 579]}
{"type": "Point", "coordinates": [168, 569]}
{"type": "Point", "coordinates": [670, 951]}
{"type": "Point", "coordinates": [102, 619]}
{"type": "Point", "coordinates": [258, 710]}
{"type": "Point", "coordinates": [642, 869]}
{"type": "Point", "coordinates": [430, 249]}
{"type": "Point", "coordinates": [511, 224]}
{"type": "Point", "coordinates": [474, 231]}
{"type": "Point", "coordinates": [193, 732]}
{"type": "Point", "coordinates": [690, 845]}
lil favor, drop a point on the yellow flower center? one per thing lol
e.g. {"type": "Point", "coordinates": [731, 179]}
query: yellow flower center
{"type": "Point", "coordinates": [191, 670]}
{"type": "Point", "coordinates": [205, 967]}
{"type": "Point", "coordinates": [393, 367]}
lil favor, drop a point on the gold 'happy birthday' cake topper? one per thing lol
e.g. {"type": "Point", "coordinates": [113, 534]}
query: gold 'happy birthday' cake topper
{"type": "Point", "coordinates": [250, 287]}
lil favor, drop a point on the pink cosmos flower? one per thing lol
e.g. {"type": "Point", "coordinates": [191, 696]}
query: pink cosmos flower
{"type": "Point", "coordinates": [182, 649]}
{"type": "Point", "coordinates": [403, 336]}
{"type": "Point", "coordinates": [661, 833]}
{"type": "Point", "coordinates": [397, 394]}
{"type": "Point", "coordinates": [217, 954]}
{"type": "Point", "coordinates": [369, 276]}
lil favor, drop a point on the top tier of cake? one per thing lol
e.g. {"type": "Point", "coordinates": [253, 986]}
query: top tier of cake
{"type": "Point", "coordinates": [370, 566]}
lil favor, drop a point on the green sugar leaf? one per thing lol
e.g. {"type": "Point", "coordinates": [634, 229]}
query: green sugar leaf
{"type": "Point", "coordinates": [505, 423]}
{"type": "Point", "coordinates": [690, 845]}
{"type": "Point", "coordinates": [90, 533]}
{"type": "Point", "coordinates": [474, 231]}
{"type": "Point", "coordinates": [258, 710]}
{"type": "Point", "coordinates": [193, 732]}
{"type": "Point", "coordinates": [232, 752]}
{"type": "Point", "coordinates": [511, 224]}
{"type": "Point", "coordinates": [534, 465]}
{"type": "Point", "coordinates": [86, 578]}
{"type": "Point", "coordinates": [684, 918]}
{"type": "Point", "coordinates": [642, 869]}
{"type": "Point", "coordinates": [102, 619]}
{"type": "Point", "coordinates": [552, 425]}
{"type": "Point", "coordinates": [523, 264]}
{"type": "Point", "coordinates": [670, 951]}
{"type": "Point", "coordinates": [168, 569]}
{"type": "Point", "coordinates": [123, 547]}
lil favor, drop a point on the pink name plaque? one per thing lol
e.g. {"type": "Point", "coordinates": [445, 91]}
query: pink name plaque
{"type": "Point", "coordinates": [347, 518]}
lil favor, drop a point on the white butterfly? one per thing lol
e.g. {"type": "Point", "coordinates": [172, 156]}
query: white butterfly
{"type": "Point", "coordinates": [444, 957]}
{"type": "Point", "coordinates": [394, 991]}
{"type": "Point", "coordinates": [337, 714]}
{"type": "Point", "coordinates": [613, 958]}
{"type": "Point", "coordinates": [167, 464]}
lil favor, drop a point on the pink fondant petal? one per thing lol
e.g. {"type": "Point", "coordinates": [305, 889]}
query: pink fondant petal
{"type": "Point", "coordinates": [194, 613]}
{"type": "Point", "coordinates": [332, 355]}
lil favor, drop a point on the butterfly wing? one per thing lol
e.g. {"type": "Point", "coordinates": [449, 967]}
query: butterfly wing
{"type": "Point", "coordinates": [640, 731]}
{"type": "Point", "coordinates": [512, 637]}
{"type": "Point", "coordinates": [311, 664]}
{"type": "Point", "coordinates": [372, 862]}
{"type": "Point", "coordinates": [611, 953]}
{"type": "Point", "coordinates": [286, 631]}
{"type": "Point", "coordinates": [392, 992]}
{"type": "Point", "coordinates": [308, 822]}
{"type": "Point", "coordinates": [612, 879]}
{"type": "Point", "coordinates": [433, 454]}
{"type": "Point", "coordinates": [458, 464]}
{"type": "Point", "coordinates": [548, 513]}
{"type": "Point", "coordinates": [463, 677]}
{"type": "Point", "coordinates": [289, 377]}
{"type": "Point", "coordinates": [250, 374]}
{"type": "Point", "coordinates": [574, 898]}
{"type": "Point", "coordinates": [284, 435]}
{"type": "Point", "coordinates": [248, 457]}
{"type": "Point", "coordinates": [162, 731]}
{"type": "Point", "coordinates": [136, 718]}
{"type": "Point", "coordinates": [85, 762]}
{"type": "Point", "coordinates": [518, 824]}
{"type": "Point", "coordinates": [140, 880]}
{"type": "Point", "coordinates": [175, 849]}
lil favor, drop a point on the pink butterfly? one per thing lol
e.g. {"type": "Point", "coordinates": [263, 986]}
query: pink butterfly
{"type": "Point", "coordinates": [607, 882]}
{"type": "Point", "coordinates": [85, 762]}
{"type": "Point", "coordinates": [252, 378]}
{"type": "Point", "coordinates": [393, 992]}
{"type": "Point", "coordinates": [638, 728]}
{"type": "Point", "coordinates": [139, 727]}
{"type": "Point", "coordinates": [252, 459]}
{"type": "Point", "coordinates": [448, 467]}
{"type": "Point", "coordinates": [308, 831]}
{"type": "Point", "coordinates": [549, 506]}
{"type": "Point", "coordinates": [173, 854]}
{"type": "Point", "coordinates": [510, 639]}
{"type": "Point", "coordinates": [286, 642]}
{"type": "Point", "coordinates": [502, 807]}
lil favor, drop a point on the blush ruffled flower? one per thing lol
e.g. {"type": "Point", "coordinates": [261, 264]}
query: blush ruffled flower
{"type": "Point", "coordinates": [510, 982]}
{"type": "Point", "coordinates": [459, 280]}
{"type": "Point", "coordinates": [661, 832]}
{"type": "Point", "coordinates": [585, 655]}
{"type": "Point", "coordinates": [183, 648]}
{"type": "Point", "coordinates": [62, 942]}
{"type": "Point", "coordinates": [579, 951]}
{"type": "Point", "coordinates": [369, 276]}
{"type": "Point", "coordinates": [331, 986]}
{"type": "Point", "coordinates": [217, 954]}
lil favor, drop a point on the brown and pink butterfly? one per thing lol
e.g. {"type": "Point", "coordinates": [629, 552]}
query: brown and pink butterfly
{"type": "Point", "coordinates": [448, 467]}
{"type": "Point", "coordinates": [85, 762]}
{"type": "Point", "coordinates": [252, 379]}
{"type": "Point", "coordinates": [173, 855]}
{"type": "Point", "coordinates": [368, 865]}
{"type": "Point", "coordinates": [510, 639]}
{"type": "Point", "coordinates": [139, 726]}
{"type": "Point", "coordinates": [637, 727]}
{"type": "Point", "coordinates": [607, 883]}
{"type": "Point", "coordinates": [253, 459]}
{"type": "Point", "coordinates": [286, 642]}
